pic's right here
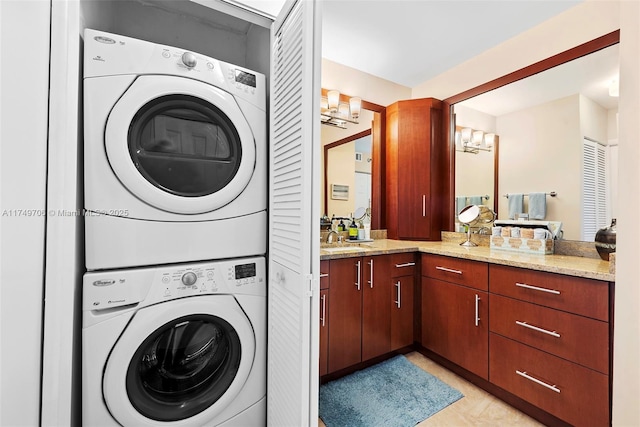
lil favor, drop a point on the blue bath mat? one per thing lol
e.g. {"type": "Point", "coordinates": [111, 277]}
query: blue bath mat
{"type": "Point", "coordinates": [394, 393]}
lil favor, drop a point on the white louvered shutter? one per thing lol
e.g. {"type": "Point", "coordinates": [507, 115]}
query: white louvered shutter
{"type": "Point", "coordinates": [594, 189]}
{"type": "Point", "coordinates": [294, 232]}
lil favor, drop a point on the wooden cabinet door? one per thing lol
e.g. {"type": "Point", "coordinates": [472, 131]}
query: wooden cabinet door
{"type": "Point", "coordinates": [324, 319]}
{"type": "Point", "coordinates": [324, 332]}
{"type": "Point", "coordinates": [401, 311]}
{"type": "Point", "coordinates": [455, 324]}
{"type": "Point", "coordinates": [415, 164]}
{"type": "Point", "coordinates": [345, 313]}
{"type": "Point", "coordinates": [376, 311]}
{"type": "Point", "coordinates": [414, 177]}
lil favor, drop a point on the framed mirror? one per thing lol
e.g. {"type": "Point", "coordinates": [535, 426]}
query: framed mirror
{"type": "Point", "coordinates": [352, 176]}
{"type": "Point", "coordinates": [557, 130]}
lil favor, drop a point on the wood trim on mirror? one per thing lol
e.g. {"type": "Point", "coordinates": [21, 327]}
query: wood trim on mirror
{"type": "Point", "coordinates": [538, 67]}
{"type": "Point", "coordinates": [553, 61]}
{"type": "Point", "coordinates": [377, 133]}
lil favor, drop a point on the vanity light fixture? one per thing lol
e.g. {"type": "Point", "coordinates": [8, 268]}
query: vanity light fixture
{"type": "Point", "coordinates": [489, 139]}
{"type": "Point", "coordinates": [335, 113]}
{"type": "Point", "coordinates": [477, 137]}
{"type": "Point", "coordinates": [473, 141]}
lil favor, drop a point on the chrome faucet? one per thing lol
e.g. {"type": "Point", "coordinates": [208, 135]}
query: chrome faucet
{"type": "Point", "coordinates": [330, 236]}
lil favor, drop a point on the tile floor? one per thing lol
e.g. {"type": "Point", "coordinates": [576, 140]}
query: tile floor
{"type": "Point", "coordinates": [476, 408]}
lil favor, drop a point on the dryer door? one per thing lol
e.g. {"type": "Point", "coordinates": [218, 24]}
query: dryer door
{"type": "Point", "coordinates": [179, 144]}
{"type": "Point", "coordinates": [179, 363]}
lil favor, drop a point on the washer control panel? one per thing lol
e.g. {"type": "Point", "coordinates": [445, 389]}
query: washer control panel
{"type": "Point", "coordinates": [146, 286]}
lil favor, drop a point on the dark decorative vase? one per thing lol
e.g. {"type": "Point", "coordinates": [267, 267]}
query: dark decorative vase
{"type": "Point", "coordinates": [606, 240]}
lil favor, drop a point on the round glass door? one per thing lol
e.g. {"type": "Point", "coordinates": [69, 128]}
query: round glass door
{"type": "Point", "coordinates": [184, 145]}
{"type": "Point", "coordinates": [183, 367]}
{"type": "Point", "coordinates": [180, 145]}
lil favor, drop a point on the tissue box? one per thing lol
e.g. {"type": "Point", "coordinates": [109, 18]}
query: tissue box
{"type": "Point", "coordinates": [520, 244]}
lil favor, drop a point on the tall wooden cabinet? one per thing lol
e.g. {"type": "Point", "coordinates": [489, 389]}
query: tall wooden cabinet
{"type": "Point", "coordinates": [415, 168]}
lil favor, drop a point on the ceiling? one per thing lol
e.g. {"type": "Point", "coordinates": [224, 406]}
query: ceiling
{"type": "Point", "coordinates": [411, 41]}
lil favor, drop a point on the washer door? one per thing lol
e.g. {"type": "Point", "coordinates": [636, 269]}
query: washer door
{"type": "Point", "coordinates": [179, 144]}
{"type": "Point", "coordinates": [179, 363]}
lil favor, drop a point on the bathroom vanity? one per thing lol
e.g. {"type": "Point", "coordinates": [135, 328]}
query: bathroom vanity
{"type": "Point", "coordinates": [534, 330]}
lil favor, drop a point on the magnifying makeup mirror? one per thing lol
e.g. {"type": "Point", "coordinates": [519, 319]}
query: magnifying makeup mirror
{"type": "Point", "coordinates": [473, 215]}
{"type": "Point", "coordinates": [360, 213]}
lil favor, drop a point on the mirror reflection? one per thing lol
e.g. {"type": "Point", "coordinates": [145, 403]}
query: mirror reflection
{"type": "Point", "coordinates": [347, 157]}
{"type": "Point", "coordinates": [557, 134]}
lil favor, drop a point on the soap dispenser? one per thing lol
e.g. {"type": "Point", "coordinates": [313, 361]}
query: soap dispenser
{"type": "Point", "coordinates": [353, 230]}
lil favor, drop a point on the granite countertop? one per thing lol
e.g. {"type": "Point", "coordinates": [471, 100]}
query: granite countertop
{"type": "Point", "coordinates": [563, 264]}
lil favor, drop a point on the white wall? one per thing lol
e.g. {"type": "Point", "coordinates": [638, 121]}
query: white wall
{"type": "Point", "coordinates": [541, 151]}
{"type": "Point", "coordinates": [626, 369]}
{"type": "Point", "coordinates": [23, 134]}
{"type": "Point", "coordinates": [593, 120]}
{"type": "Point", "coordinates": [354, 82]}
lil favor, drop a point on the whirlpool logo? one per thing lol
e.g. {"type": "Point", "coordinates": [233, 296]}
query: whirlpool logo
{"type": "Point", "coordinates": [103, 282]}
{"type": "Point", "coordinates": [105, 40]}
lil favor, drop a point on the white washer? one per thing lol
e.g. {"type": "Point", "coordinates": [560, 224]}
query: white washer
{"type": "Point", "coordinates": [181, 345]}
{"type": "Point", "coordinates": [175, 165]}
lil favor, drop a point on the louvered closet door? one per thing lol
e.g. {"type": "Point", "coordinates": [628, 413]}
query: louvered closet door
{"type": "Point", "coordinates": [294, 196]}
{"type": "Point", "coordinates": [595, 209]}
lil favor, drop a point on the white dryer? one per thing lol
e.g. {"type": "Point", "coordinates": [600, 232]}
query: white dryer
{"type": "Point", "coordinates": [175, 147]}
{"type": "Point", "coordinates": [182, 345]}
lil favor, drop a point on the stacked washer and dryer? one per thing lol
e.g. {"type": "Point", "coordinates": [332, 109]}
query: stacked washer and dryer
{"type": "Point", "coordinates": [174, 299]}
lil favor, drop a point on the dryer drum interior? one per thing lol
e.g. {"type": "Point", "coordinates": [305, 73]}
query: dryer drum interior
{"type": "Point", "coordinates": [184, 145]}
{"type": "Point", "coordinates": [183, 367]}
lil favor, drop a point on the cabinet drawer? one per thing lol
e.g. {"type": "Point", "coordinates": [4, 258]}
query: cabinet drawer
{"type": "Point", "coordinates": [586, 297]}
{"type": "Point", "coordinates": [403, 264]}
{"type": "Point", "coordinates": [324, 274]}
{"type": "Point", "coordinates": [573, 393]}
{"type": "Point", "coordinates": [456, 270]}
{"type": "Point", "coordinates": [576, 338]}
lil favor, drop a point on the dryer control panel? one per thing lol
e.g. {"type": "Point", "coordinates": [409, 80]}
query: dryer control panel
{"type": "Point", "coordinates": [108, 54]}
{"type": "Point", "coordinates": [150, 285]}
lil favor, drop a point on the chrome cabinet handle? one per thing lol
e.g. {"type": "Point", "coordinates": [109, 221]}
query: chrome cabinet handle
{"type": "Point", "coordinates": [424, 205]}
{"type": "Point", "coordinates": [477, 309]}
{"type": "Point", "coordinates": [324, 275]}
{"type": "Point", "coordinates": [397, 301]}
{"type": "Point", "coordinates": [407, 264]}
{"type": "Point", "coordinates": [371, 273]}
{"type": "Point", "coordinates": [324, 309]}
{"type": "Point", "coordinates": [537, 381]}
{"type": "Point", "coordinates": [535, 328]}
{"type": "Point", "coordinates": [358, 275]}
{"type": "Point", "coordinates": [449, 270]}
{"type": "Point", "coordinates": [535, 288]}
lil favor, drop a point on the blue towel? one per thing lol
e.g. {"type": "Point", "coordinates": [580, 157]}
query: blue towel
{"type": "Point", "coordinates": [475, 200]}
{"type": "Point", "coordinates": [461, 202]}
{"type": "Point", "coordinates": [516, 205]}
{"type": "Point", "coordinates": [537, 205]}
